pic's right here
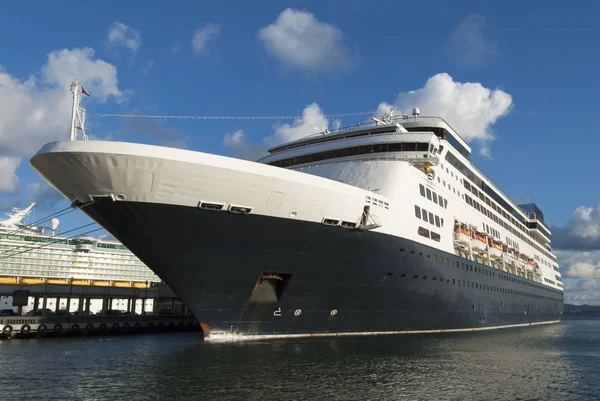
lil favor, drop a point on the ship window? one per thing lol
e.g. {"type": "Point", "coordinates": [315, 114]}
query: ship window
{"type": "Point", "coordinates": [428, 194]}
{"type": "Point", "coordinates": [423, 232]}
{"type": "Point", "coordinates": [435, 199]}
{"type": "Point", "coordinates": [445, 203]}
{"type": "Point", "coordinates": [417, 212]}
{"type": "Point", "coordinates": [422, 189]}
{"type": "Point", "coordinates": [424, 215]}
{"type": "Point", "coordinates": [441, 201]}
{"type": "Point", "coordinates": [352, 151]}
{"type": "Point", "coordinates": [431, 218]}
{"type": "Point", "coordinates": [437, 221]}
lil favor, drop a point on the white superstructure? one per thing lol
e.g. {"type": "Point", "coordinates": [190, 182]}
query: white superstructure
{"type": "Point", "coordinates": [424, 187]}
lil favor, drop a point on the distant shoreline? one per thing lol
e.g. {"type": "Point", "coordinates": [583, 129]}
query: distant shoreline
{"type": "Point", "coordinates": [581, 311]}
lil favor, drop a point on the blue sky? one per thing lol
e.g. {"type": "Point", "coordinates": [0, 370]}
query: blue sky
{"type": "Point", "coordinates": [530, 65]}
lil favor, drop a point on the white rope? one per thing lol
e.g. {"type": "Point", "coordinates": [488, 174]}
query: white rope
{"type": "Point", "coordinates": [364, 113]}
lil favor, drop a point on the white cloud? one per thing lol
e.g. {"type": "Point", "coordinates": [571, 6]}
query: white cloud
{"type": "Point", "coordinates": [579, 264]}
{"type": "Point", "coordinates": [45, 196]}
{"type": "Point", "coordinates": [469, 107]}
{"type": "Point", "coordinates": [312, 121]}
{"type": "Point", "coordinates": [581, 285]}
{"type": "Point", "coordinates": [300, 42]}
{"type": "Point", "coordinates": [149, 65]}
{"type": "Point", "coordinates": [120, 34]}
{"type": "Point", "coordinates": [203, 35]}
{"type": "Point", "coordinates": [38, 110]}
{"type": "Point", "coordinates": [582, 232]}
{"type": "Point", "coordinates": [8, 178]}
{"type": "Point", "coordinates": [582, 298]}
{"type": "Point", "coordinates": [237, 144]}
{"type": "Point", "coordinates": [468, 46]}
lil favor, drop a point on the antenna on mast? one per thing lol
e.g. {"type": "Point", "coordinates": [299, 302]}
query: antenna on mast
{"type": "Point", "coordinates": [78, 113]}
{"type": "Point", "coordinates": [387, 118]}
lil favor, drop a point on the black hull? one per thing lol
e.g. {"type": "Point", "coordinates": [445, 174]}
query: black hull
{"type": "Point", "coordinates": [335, 280]}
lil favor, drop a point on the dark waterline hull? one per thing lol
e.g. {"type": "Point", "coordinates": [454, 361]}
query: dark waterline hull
{"type": "Point", "coordinates": [334, 280]}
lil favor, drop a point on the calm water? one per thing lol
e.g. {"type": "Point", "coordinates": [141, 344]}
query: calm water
{"type": "Point", "coordinates": [554, 362]}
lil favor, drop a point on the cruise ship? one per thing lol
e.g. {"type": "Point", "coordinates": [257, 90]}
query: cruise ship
{"type": "Point", "coordinates": [37, 254]}
{"type": "Point", "coordinates": [381, 228]}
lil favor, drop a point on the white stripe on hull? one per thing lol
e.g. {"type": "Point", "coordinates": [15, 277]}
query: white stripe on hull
{"type": "Point", "coordinates": [232, 337]}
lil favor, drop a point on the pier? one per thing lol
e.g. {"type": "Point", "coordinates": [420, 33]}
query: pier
{"type": "Point", "coordinates": [56, 326]}
{"type": "Point", "coordinates": [167, 312]}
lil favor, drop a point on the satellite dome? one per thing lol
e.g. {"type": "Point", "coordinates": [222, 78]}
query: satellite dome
{"type": "Point", "coordinates": [54, 223]}
{"type": "Point", "coordinates": [416, 111]}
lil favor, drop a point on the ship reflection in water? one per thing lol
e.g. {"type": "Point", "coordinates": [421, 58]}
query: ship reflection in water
{"type": "Point", "coordinates": [547, 362]}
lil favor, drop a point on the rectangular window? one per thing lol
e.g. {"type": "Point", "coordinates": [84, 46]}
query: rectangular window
{"type": "Point", "coordinates": [435, 236]}
{"type": "Point", "coordinates": [417, 212]}
{"type": "Point", "coordinates": [445, 203]}
{"type": "Point", "coordinates": [431, 218]}
{"type": "Point", "coordinates": [441, 201]}
{"type": "Point", "coordinates": [424, 216]}
{"type": "Point", "coordinates": [422, 189]}
{"type": "Point", "coordinates": [428, 193]}
{"type": "Point", "coordinates": [437, 221]}
{"type": "Point", "coordinates": [435, 200]}
{"type": "Point", "coordinates": [423, 232]}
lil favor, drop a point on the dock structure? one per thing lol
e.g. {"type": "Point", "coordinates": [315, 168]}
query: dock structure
{"type": "Point", "coordinates": [78, 298]}
{"type": "Point", "coordinates": [54, 326]}
{"type": "Point", "coordinates": [55, 285]}
{"type": "Point", "coordinates": [168, 313]}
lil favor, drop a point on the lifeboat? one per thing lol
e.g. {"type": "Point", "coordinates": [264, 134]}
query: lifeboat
{"type": "Point", "coordinates": [530, 264]}
{"type": "Point", "coordinates": [510, 260]}
{"type": "Point", "coordinates": [478, 242]}
{"type": "Point", "coordinates": [495, 248]}
{"type": "Point", "coordinates": [521, 263]}
{"type": "Point", "coordinates": [461, 234]}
